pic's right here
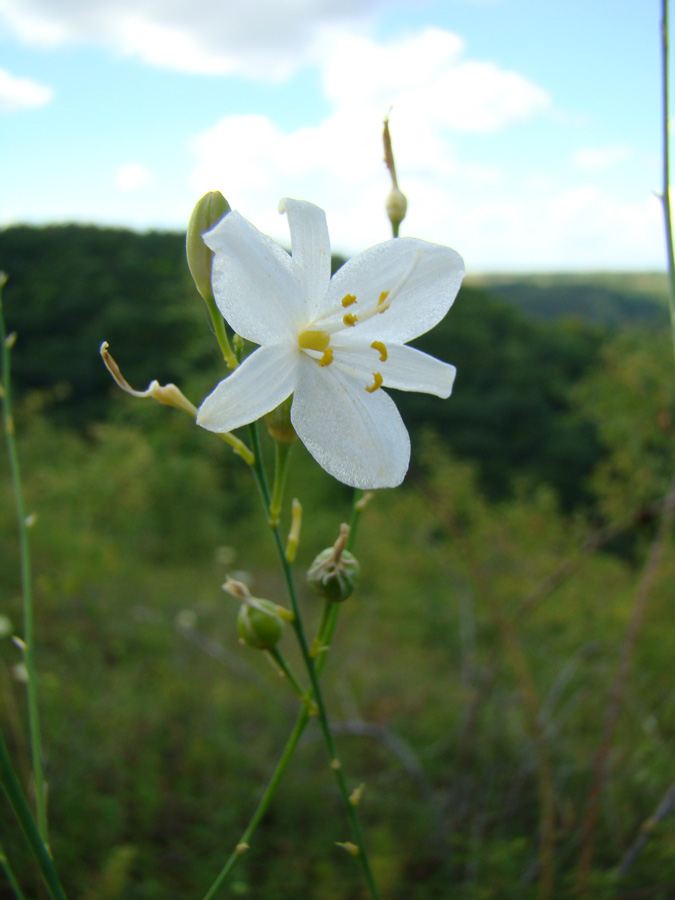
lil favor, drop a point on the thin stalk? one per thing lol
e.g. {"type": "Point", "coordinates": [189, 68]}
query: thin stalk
{"type": "Point", "coordinates": [665, 196]}
{"type": "Point", "coordinates": [263, 805]}
{"type": "Point", "coordinates": [17, 801]}
{"type": "Point", "coordinates": [281, 455]}
{"type": "Point", "coordinates": [221, 333]}
{"type": "Point", "coordinates": [304, 715]}
{"type": "Point", "coordinates": [318, 647]}
{"type": "Point", "coordinates": [11, 877]}
{"type": "Point", "coordinates": [285, 670]}
{"type": "Point", "coordinates": [27, 583]}
{"type": "Point", "coordinates": [336, 766]}
{"type": "Point", "coordinates": [258, 468]}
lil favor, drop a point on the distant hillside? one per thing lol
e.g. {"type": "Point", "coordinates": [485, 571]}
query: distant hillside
{"type": "Point", "coordinates": [611, 298]}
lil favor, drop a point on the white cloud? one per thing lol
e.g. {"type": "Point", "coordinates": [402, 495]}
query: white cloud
{"type": "Point", "coordinates": [257, 38]}
{"type": "Point", "coordinates": [132, 176]}
{"type": "Point", "coordinates": [22, 93]}
{"type": "Point", "coordinates": [437, 95]}
{"type": "Point", "coordinates": [597, 158]}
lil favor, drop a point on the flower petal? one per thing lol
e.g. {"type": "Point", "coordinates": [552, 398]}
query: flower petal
{"type": "Point", "coordinates": [263, 381]}
{"type": "Point", "coordinates": [310, 246]}
{"type": "Point", "coordinates": [404, 368]}
{"type": "Point", "coordinates": [257, 287]}
{"type": "Point", "coordinates": [422, 280]}
{"type": "Point", "coordinates": [357, 437]}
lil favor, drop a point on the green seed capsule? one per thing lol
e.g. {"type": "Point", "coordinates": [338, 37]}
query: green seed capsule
{"type": "Point", "coordinates": [259, 625]}
{"type": "Point", "coordinates": [334, 579]}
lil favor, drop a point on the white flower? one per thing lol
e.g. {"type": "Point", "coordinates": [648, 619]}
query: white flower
{"type": "Point", "coordinates": [332, 343]}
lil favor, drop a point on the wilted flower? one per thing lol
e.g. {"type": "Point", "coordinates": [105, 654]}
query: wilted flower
{"type": "Point", "coordinates": [332, 343]}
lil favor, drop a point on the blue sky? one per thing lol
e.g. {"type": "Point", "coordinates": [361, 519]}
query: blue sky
{"type": "Point", "coordinates": [526, 132]}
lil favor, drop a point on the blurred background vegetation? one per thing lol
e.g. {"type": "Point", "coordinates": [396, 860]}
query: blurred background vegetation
{"type": "Point", "coordinates": [472, 675]}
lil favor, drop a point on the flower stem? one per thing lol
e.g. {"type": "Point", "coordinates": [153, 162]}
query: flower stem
{"type": "Point", "coordinates": [26, 580]}
{"type": "Point", "coordinates": [665, 196]}
{"type": "Point", "coordinates": [285, 670]}
{"type": "Point", "coordinates": [17, 801]}
{"type": "Point", "coordinates": [281, 455]}
{"type": "Point", "coordinates": [264, 803]}
{"type": "Point", "coordinates": [274, 782]}
{"type": "Point", "coordinates": [11, 878]}
{"type": "Point", "coordinates": [221, 333]}
{"type": "Point", "coordinates": [350, 809]}
{"type": "Point", "coordinates": [314, 671]}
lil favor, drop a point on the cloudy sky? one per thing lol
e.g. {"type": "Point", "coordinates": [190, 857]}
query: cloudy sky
{"type": "Point", "coordinates": [526, 132]}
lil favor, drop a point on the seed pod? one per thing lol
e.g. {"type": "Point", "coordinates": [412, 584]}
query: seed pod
{"type": "Point", "coordinates": [259, 624]}
{"type": "Point", "coordinates": [335, 572]}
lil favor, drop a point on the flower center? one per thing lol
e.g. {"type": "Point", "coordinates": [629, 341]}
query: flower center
{"type": "Point", "coordinates": [318, 341]}
{"type": "Point", "coordinates": [313, 339]}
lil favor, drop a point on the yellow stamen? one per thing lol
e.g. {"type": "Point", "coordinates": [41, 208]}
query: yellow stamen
{"type": "Point", "coordinates": [378, 383]}
{"type": "Point", "coordinates": [381, 349]}
{"type": "Point", "coordinates": [313, 340]}
{"type": "Point", "coordinates": [349, 319]}
{"type": "Point", "coordinates": [348, 299]}
{"type": "Point", "coordinates": [382, 302]}
{"type": "Point", "coordinates": [327, 357]}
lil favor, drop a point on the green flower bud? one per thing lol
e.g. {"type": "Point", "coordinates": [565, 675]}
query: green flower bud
{"type": "Point", "coordinates": [206, 214]}
{"type": "Point", "coordinates": [335, 572]}
{"type": "Point", "coordinates": [259, 624]}
{"type": "Point", "coordinates": [279, 423]}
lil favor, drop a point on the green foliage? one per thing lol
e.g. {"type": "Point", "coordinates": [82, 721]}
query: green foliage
{"type": "Point", "coordinates": [476, 606]}
{"type": "Point", "coordinates": [511, 409]}
{"type": "Point", "coordinates": [610, 298]}
{"type": "Point", "coordinates": [72, 287]}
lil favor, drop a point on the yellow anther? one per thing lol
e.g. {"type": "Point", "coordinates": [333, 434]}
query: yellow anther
{"type": "Point", "coordinates": [348, 299]}
{"type": "Point", "coordinates": [313, 340]}
{"type": "Point", "coordinates": [378, 383]}
{"type": "Point", "coordinates": [349, 319]}
{"type": "Point", "coordinates": [327, 357]}
{"type": "Point", "coordinates": [382, 302]}
{"type": "Point", "coordinates": [381, 349]}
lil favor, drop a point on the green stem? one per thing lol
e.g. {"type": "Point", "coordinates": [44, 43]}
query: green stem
{"type": "Point", "coordinates": [27, 584]}
{"type": "Point", "coordinates": [275, 780]}
{"type": "Point", "coordinates": [13, 883]}
{"type": "Point", "coordinates": [318, 647]}
{"type": "Point", "coordinates": [350, 809]}
{"type": "Point", "coordinates": [221, 333]}
{"type": "Point", "coordinates": [281, 456]}
{"type": "Point", "coordinates": [357, 509]}
{"type": "Point", "coordinates": [263, 805]}
{"type": "Point", "coordinates": [15, 795]}
{"type": "Point", "coordinates": [665, 197]}
{"type": "Point", "coordinates": [279, 660]}
{"type": "Point", "coordinates": [258, 468]}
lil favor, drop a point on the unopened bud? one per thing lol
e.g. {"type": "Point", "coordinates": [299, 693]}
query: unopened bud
{"type": "Point", "coordinates": [205, 216]}
{"type": "Point", "coordinates": [335, 572]}
{"type": "Point", "coordinates": [396, 206]}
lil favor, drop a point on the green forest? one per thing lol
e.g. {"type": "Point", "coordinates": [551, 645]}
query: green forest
{"type": "Point", "coordinates": [502, 680]}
